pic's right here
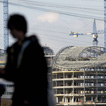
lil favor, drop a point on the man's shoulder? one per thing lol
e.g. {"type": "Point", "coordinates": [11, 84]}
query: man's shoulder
{"type": "Point", "coordinates": [34, 41]}
{"type": "Point", "coordinates": [33, 38]}
{"type": "Point", "coordinates": [10, 48]}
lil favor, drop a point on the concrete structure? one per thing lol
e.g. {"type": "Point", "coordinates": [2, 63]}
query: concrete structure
{"type": "Point", "coordinates": [49, 55]}
{"type": "Point", "coordinates": [79, 76]}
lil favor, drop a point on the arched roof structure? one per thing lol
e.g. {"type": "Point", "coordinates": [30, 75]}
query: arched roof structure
{"type": "Point", "coordinates": [73, 57]}
{"type": "Point", "coordinates": [1, 51]}
{"type": "Point", "coordinates": [48, 50]}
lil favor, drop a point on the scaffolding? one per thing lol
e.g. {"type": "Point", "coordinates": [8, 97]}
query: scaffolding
{"type": "Point", "coordinates": [79, 76]}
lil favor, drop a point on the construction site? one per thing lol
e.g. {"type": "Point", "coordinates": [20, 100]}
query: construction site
{"type": "Point", "coordinates": [79, 76]}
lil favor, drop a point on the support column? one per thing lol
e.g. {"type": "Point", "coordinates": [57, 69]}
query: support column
{"type": "Point", "coordinates": [5, 17]}
{"type": "Point", "coordinates": [105, 26]}
{"type": "Point", "coordinates": [64, 98]}
{"type": "Point", "coordinates": [84, 87]}
{"type": "Point", "coordinates": [73, 88]}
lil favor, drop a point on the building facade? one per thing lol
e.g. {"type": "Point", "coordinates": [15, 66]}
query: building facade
{"type": "Point", "coordinates": [79, 76]}
{"type": "Point", "coordinates": [49, 55]}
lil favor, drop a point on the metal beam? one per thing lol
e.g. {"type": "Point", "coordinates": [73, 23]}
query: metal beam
{"type": "Point", "coordinates": [5, 16]}
{"type": "Point", "coordinates": [105, 26]}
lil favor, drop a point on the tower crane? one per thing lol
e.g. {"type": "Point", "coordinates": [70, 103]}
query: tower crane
{"type": "Point", "coordinates": [94, 34]}
{"type": "Point", "coordinates": [5, 16]}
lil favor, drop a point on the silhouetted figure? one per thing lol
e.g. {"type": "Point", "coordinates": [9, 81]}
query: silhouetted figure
{"type": "Point", "coordinates": [26, 66]}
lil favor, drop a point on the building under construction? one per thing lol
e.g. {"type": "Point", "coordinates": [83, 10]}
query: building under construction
{"type": "Point", "coordinates": [79, 76]}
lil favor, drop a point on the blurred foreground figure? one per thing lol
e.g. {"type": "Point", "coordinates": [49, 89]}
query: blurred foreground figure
{"type": "Point", "coordinates": [26, 66]}
{"type": "Point", "coordinates": [2, 90]}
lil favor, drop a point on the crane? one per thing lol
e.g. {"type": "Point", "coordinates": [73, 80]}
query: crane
{"type": "Point", "coordinates": [105, 26]}
{"type": "Point", "coordinates": [94, 33]}
{"type": "Point", "coordinates": [5, 16]}
{"type": "Point", "coordinates": [104, 32]}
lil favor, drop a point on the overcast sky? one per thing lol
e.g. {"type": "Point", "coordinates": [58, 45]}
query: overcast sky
{"type": "Point", "coordinates": [52, 21]}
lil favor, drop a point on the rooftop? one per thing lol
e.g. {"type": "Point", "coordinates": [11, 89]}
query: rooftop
{"type": "Point", "coordinates": [80, 57]}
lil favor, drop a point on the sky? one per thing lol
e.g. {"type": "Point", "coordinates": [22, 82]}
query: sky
{"type": "Point", "coordinates": [52, 21]}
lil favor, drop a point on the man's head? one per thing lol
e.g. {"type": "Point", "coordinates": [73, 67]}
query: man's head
{"type": "Point", "coordinates": [18, 26]}
{"type": "Point", "coordinates": [17, 22]}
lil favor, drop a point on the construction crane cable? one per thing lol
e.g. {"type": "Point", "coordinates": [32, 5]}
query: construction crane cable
{"type": "Point", "coordinates": [22, 5]}
{"type": "Point", "coordinates": [63, 7]}
{"type": "Point", "coordinates": [57, 5]}
{"type": "Point", "coordinates": [60, 12]}
{"type": "Point", "coordinates": [94, 11]}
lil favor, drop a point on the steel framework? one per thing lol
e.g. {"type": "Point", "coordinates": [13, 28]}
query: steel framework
{"type": "Point", "coordinates": [5, 16]}
{"type": "Point", "coordinates": [105, 26]}
{"type": "Point", "coordinates": [78, 76]}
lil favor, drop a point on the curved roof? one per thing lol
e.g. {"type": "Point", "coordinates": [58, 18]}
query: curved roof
{"type": "Point", "coordinates": [1, 51]}
{"type": "Point", "coordinates": [48, 50]}
{"type": "Point", "coordinates": [77, 57]}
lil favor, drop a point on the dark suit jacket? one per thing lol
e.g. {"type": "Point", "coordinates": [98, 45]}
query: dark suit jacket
{"type": "Point", "coordinates": [30, 78]}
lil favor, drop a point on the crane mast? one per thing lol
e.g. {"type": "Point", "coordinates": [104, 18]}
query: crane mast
{"type": "Point", "coordinates": [5, 16]}
{"type": "Point", "coordinates": [105, 26]}
{"type": "Point", "coordinates": [95, 35]}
